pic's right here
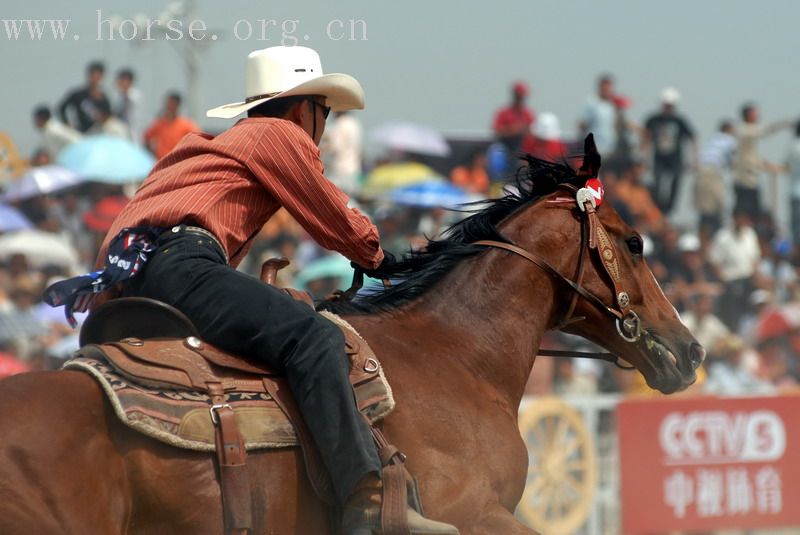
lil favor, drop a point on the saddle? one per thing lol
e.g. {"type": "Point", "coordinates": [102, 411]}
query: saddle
{"type": "Point", "coordinates": [163, 380]}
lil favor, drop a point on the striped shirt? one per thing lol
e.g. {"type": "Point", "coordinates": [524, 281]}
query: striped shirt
{"type": "Point", "coordinates": [233, 183]}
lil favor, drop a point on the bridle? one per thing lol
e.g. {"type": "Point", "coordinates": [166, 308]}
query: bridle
{"type": "Point", "coordinates": [594, 237]}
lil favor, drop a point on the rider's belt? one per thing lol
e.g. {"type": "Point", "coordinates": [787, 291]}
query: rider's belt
{"type": "Point", "coordinates": [197, 231]}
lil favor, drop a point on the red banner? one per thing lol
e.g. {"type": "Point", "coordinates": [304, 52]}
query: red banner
{"type": "Point", "coordinates": [709, 463]}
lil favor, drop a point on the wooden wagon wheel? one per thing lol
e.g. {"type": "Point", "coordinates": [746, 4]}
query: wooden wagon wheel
{"type": "Point", "coordinates": [562, 467]}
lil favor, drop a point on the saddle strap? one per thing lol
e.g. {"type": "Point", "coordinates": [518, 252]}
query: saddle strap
{"type": "Point", "coordinates": [232, 459]}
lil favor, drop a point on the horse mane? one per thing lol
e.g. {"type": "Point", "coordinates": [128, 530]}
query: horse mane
{"type": "Point", "coordinates": [419, 270]}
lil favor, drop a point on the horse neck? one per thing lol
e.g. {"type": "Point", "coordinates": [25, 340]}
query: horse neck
{"type": "Point", "coordinates": [485, 319]}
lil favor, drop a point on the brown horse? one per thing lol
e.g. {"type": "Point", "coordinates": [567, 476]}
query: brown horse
{"type": "Point", "coordinates": [457, 340]}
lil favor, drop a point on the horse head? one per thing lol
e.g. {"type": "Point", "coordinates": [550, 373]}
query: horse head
{"type": "Point", "coordinates": [606, 292]}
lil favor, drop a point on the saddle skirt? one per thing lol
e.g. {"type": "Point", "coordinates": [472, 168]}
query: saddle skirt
{"type": "Point", "coordinates": [159, 387]}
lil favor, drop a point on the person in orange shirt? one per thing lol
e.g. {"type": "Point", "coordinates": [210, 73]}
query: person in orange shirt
{"type": "Point", "coordinates": [473, 176]}
{"type": "Point", "coordinates": [166, 131]}
{"type": "Point", "coordinates": [632, 192]}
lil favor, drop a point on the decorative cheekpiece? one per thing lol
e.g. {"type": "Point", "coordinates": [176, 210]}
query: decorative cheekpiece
{"type": "Point", "coordinates": [591, 192]}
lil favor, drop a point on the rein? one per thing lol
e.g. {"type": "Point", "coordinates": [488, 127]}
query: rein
{"type": "Point", "coordinates": [626, 320]}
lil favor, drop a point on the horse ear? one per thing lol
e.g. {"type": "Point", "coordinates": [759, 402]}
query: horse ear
{"type": "Point", "coordinates": [591, 158]}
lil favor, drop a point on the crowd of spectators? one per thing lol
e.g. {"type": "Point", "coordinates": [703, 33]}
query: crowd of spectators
{"type": "Point", "coordinates": [732, 274]}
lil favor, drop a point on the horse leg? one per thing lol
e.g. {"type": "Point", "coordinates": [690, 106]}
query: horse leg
{"type": "Point", "coordinates": [59, 470]}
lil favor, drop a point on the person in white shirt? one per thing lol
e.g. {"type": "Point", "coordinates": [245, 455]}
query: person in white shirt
{"type": "Point", "coordinates": [107, 124]}
{"type": "Point", "coordinates": [341, 149]}
{"type": "Point", "coordinates": [716, 157]}
{"type": "Point", "coordinates": [129, 106]}
{"type": "Point", "coordinates": [736, 253]}
{"type": "Point", "coordinates": [599, 116]}
{"type": "Point", "coordinates": [55, 134]}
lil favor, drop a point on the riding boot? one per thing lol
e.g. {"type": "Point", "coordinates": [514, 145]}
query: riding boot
{"type": "Point", "coordinates": [362, 513]}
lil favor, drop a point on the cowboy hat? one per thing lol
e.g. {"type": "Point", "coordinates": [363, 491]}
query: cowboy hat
{"type": "Point", "coordinates": [284, 71]}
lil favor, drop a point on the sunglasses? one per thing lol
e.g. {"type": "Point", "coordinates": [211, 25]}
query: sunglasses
{"type": "Point", "coordinates": [326, 110]}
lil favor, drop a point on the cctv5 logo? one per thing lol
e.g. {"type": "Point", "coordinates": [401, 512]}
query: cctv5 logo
{"type": "Point", "coordinates": [707, 437]}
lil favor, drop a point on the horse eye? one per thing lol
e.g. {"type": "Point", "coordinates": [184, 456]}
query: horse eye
{"type": "Point", "coordinates": [635, 245]}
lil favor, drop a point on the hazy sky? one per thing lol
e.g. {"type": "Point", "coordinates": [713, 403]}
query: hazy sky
{"type": "Point", "coordinates": [445, 63]}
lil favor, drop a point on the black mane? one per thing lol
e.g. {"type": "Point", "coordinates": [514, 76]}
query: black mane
{"type": "Point", "coordinates": [422, 269]}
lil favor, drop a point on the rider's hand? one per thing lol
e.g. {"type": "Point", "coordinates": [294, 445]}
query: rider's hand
{"type": "Point", "coordinates": [387, 268]}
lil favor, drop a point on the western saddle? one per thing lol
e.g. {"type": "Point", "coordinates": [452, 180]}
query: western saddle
{"type": "Point", "coordinates": [158, 346]}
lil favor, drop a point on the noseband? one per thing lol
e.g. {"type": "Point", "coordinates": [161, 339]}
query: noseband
{"type": "Point", "coordinates": [594, 238]}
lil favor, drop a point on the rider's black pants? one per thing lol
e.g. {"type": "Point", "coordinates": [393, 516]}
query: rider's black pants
{"type": "Point", "coordinates": [240, 314]}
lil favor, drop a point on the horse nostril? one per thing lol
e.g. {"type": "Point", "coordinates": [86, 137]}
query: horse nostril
{"type": "Point", "coordinates": [697, 355]}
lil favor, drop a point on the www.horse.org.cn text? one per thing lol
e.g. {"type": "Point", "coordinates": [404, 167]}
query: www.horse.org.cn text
{"type": "Point", "coordinates": [287, 32]}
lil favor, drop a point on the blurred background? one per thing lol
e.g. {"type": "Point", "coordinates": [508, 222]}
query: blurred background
{"type": "Point", "coordinates": [693, 105]}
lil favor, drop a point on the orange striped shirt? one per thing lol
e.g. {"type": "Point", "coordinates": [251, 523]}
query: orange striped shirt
{"type": "Point", "coordinates": [233, 183]}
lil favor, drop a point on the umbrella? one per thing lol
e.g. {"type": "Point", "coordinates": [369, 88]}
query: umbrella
{"type": "Point", "coordinates": [389, 176]}
{"type": "Point", "coordinates": [12, 219]}
{"type": "Point", "coordinates": [40, 248]}
{"type": "Point", "coordinates": [331, 266]}
{"type": "Point", "coordinates": [41, 181]}
{"type": "Point", "coordinates": [431, 195]}
{"type": "Point", "coordinates": [107, 159]}
{"type": "Point", "coordinates": [410, 137]}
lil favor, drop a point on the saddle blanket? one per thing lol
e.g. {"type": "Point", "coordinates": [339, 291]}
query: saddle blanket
{"type": "Point", "coordinates": [182, 417]}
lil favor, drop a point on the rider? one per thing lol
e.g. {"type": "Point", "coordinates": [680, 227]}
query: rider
{"type": "Point", "coordinates": [205, 201]}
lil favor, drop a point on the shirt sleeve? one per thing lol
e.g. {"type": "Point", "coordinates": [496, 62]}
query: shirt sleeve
{"type": "Point", "coordinates": [286, 162]}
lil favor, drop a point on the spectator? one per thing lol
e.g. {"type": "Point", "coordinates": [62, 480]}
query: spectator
{"type": "Point", "coordinates": [775, 365]}
{"type": "Point", "coordinates": [473, 176]}
{"type": "Point", "coordinates": [793, 169]}
{"type": "Point", "coordinates": [727, 376]}
{"type": "Point", "coordinates": [55, 134]}
{"type": "Point", "coordinates": [735, 253]}
{"type": "Point", "coordinates": [693, 274]}
{"type": "Point", "coordinates": [79, 107]}
{"type": "Point", "coordinates": [748, 165]}
{"type": "Point", "coordinates": [342, 151]}
{"type": "Point", "coordinates": [665, 133]}
{"type": "Point", "coordinates": [546, 142]}
{"type": "Point", "coordinates": [627, 133]}
{"type": "Point", "coordinates": [41, 157]}
{"type": "Point", "coordinates": [599, 116]}
{"type": "Point", "coordinates": [632, 192]}
{"type": "Point", "coordinates": [166, 131]}
{"type": "Point", "coordinates": [668, 251]}
{"type": "Point", "coordinates": [709, 194]}
{"type": "Point", "coordinates": [701, 321]}
{"type": "Point", "coordinates": [512, 123]}
{"type": "Point", "coordinates": [776, 271]}
{"type": "Point", "coordinates": [108, 124]}
{"type": "Point", "coordinates": [129, 106]}
{"type": "Point", "coordinates": [18, 323]}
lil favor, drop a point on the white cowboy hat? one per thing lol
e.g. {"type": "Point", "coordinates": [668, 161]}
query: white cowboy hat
{"type": "Point", "coordinates": [284, 71]}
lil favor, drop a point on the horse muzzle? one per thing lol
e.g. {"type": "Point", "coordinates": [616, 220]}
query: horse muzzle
{"type": "Point", "coordinates": [671, 369]}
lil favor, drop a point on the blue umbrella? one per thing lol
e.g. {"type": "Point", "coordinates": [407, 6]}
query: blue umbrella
{"type": "Point", "coordinates": [331, 266]}
{"type": "Point", "coordinates": [107, 159]}
{"type": "Point", "coordinates": [12, 219]}
{"type": "Point", "coordinates": [431, 195]}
